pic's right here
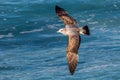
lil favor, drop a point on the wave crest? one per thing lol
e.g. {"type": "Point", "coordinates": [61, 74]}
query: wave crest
{"type": "Point", "coordinates": [6, 36]}
{"type": "Point", "coordinates": [89, 69]}
{"type": "Point", "coordinates": [31, 31]}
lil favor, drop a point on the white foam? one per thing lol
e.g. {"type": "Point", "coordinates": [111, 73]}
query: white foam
{"type": "Point", "coordinates": [116, 6]}
{"type": "Point", "coordinates": [13, 27]}
{"type": "Point", "coordinates": [53, 26]}
{"type": "Point", "coordinates": [82, 21]}
{"type": "Point", "coordinates": [103, 29]}
{"type": "Point", "coordinates": [4, 19]}
{"type": "Point", "coordinates": [89, 19]}
{"type": "Point", "coordinates": [93, 68]}
{"type": "Point", "coordinates": [93, 22]}
{"type": "Point", "coordinates": [92, 15]}
{"type": "Point", "coordinates": [6, 36]}
{"type": "Point", "coordinates": [32, 31]}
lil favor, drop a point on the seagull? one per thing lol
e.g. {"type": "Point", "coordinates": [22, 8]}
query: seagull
{"type": "Point", "coordinates": [73, 32]}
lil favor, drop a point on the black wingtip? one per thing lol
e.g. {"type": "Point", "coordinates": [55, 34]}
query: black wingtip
{"type": "Point", "coordinates": [72, 68]}
{"type": "Point", "coordinates": [72, 73]}
{"type": "Point", "coordinates": [87, 31]}
{"type": "Point", "coordinates": [57, 8]}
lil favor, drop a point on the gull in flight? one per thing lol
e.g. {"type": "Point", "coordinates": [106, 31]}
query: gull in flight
{"type": "Point", "coordinates": [73, 32]}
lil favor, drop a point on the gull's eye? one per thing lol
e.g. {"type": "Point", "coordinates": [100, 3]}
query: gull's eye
{"type": "Point", "coordinates": [61, 29]}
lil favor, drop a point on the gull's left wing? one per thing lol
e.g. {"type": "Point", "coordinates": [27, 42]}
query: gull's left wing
{"type": "Point", "coordinates": [65, 17]}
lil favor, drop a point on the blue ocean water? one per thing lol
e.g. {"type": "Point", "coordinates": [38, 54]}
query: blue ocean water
{"type": "Point", "coordinates": [30, 48]}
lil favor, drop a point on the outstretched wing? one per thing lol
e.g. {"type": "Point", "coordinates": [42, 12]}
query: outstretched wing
{"type": "Point", "coordinates": [72, 52]}
{"type": "Point", "coordinates": [64, 16]}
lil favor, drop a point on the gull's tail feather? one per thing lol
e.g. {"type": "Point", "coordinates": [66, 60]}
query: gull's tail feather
{"type": "Point", "coordinates": [84, 30]}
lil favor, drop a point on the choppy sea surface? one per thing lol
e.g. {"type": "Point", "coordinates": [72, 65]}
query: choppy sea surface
{"type": "Point", "coordinates": [30, 48]}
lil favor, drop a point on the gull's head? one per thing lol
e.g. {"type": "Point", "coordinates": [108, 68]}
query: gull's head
{"type": "Point", "coordinates": [63, 31]}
